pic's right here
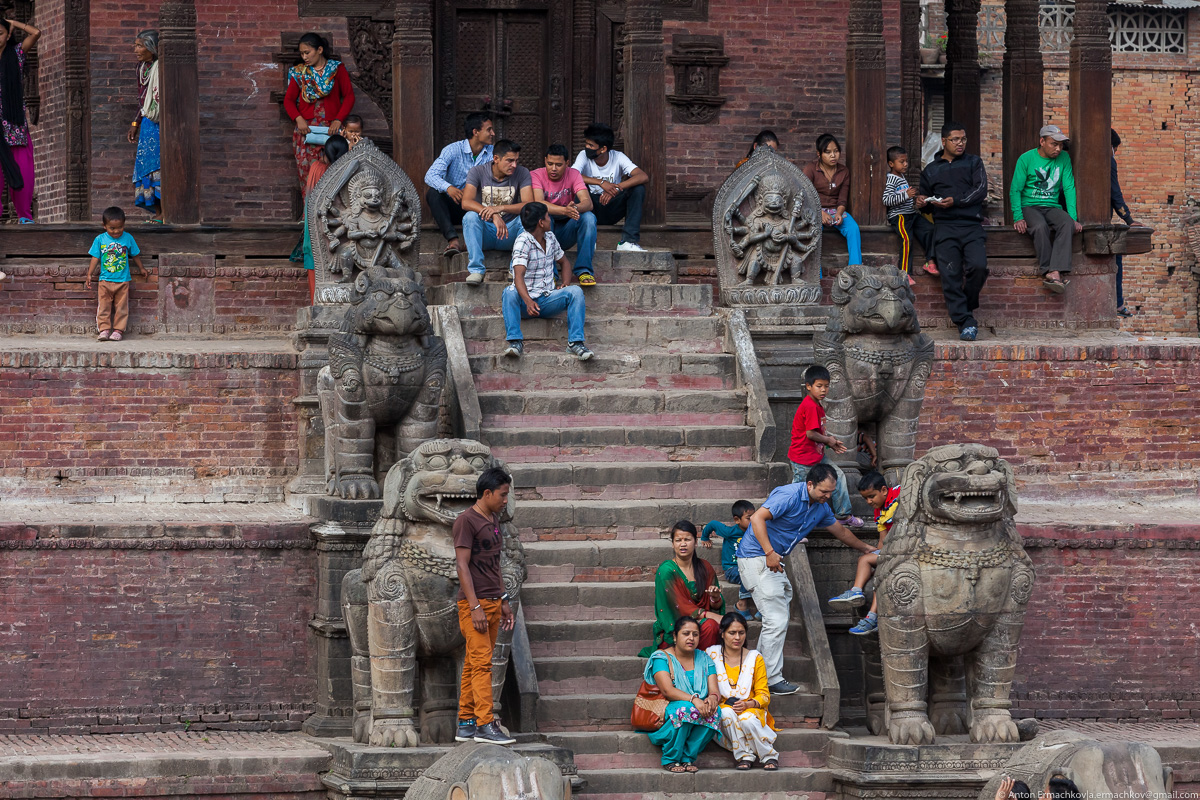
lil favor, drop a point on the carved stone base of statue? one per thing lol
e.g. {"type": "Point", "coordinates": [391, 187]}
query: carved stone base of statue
{"type": "Point", "coordinates": [484, 772]}
{"type": "Point", "coordinates": [871, 768]}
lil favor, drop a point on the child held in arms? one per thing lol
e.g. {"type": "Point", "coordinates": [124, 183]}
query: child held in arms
{"type": "Point", "coordinates": [111, 252]}
{"type": "Point", "coordinates": [874, 489]}
{"type": "Point", "coordinates": [732, 537]}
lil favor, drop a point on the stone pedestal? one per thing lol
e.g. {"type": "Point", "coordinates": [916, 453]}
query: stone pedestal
{"type": "Point", "coordinates": [340, 536]}
{"type": "Point", "coordinates": [953, 769]}
{"type": "Point", "coordinates": [360, 772]}
{"type": "Point", "coordinates": [313, 327]}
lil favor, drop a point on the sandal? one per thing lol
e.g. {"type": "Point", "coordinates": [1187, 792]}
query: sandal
{"type": "Point", "coordinates": [743, 765]}
{"type": "Point", "coordinates": [676, 768]}
{"type": "Point", "coordinates": [1058, 287]}
{"type": "Point", "coordinates": [104, 336]}
{"type": "Point", "coordinates": [691, 768]}
{"type": "Point", "coordinates": [587, 279]}
{"type": "Point", "coordinates": [451, 251]}
{"type": "Point", "coordinates": [930, 268]}
{"type": "Point", "coordinates": [1123, 311]}
{"type": "Point", "coordinates": [771, 766]}
{"type": "Point", "coordinates": [115, 337]}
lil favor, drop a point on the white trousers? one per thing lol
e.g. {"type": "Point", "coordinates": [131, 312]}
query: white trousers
{"type": "Point", "coordinates": [746, 736]}
{"type": "Point", "coordinates": [773, 596]}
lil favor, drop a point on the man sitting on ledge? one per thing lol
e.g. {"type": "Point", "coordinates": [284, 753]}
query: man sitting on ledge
{"type": "Point", "coordinates": [618, 185]}
{"type": "Point", "coordinates": [447, 176]}
{"type": "Point", "coordinates": [493, 198]}
{"type": "Point", "coordinates": [1041, 175]}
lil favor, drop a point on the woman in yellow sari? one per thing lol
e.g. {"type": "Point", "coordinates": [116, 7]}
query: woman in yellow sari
{"type": "Point", "coordinates": [747, 728]}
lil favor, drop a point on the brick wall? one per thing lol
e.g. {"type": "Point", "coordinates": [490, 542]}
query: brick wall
{"type": "Point", "coordinates": [199, 630]}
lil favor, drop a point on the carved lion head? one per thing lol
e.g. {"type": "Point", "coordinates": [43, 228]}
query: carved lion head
{"type": "Point", "coordinates": [960, 484]}
{"type": "Point", "coordinates": [875, 300]}
{"type": "Point", "coordinates": [436, 482]}
{"type": "Point", "coordinates": [387, 302]}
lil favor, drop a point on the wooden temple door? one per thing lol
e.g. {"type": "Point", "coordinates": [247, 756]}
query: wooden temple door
{"type": "Point", "coordinates": [502, 65]}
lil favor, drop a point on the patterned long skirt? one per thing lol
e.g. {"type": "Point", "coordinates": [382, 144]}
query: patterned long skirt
{"type": "Point", "coordinates": [307, 154]}
{"type": "Point", "coordinates": [147, 168]}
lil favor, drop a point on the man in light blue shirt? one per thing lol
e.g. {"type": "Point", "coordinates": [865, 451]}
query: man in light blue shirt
{"type": "Point", "coordinates": [447, 176]}
{"type": "Point", "coordinates": [789, 514]}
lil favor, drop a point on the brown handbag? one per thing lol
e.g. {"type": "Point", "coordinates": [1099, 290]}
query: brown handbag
{"type": "Point", "coordinates": [649, 706]}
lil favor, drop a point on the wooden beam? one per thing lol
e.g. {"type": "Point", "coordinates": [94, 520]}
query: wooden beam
{"type": "Point", "coordinates": [180, 141]}
{"type": "Point", "coordinates": [912, 111]}
{"type": "Point", "coordinates": [1022, 98]}
{"type": "Point", "coordinates": [646, 101]}
{"type": "Point", "coordinates": [866, 111]}
{"type": "Point", "coordinates": [77, 78]}
{"type": "Point", "coordinates": [412, 89]}
{"type": "Point", "coordinates": [1091, 110]}
{"type": "Point", "coordinates": [962, 67]}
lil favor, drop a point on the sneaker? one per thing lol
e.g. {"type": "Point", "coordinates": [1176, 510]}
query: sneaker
{"type": "Point", "coordinates": [579, 350]}
{"type": "Point", "coordinates": [492, 734]}
{"type": "Point", "coordinates": [930, 268]}
{"type": "Point", "coordinates": [968, 333]}
{"type": "Point", "coordinates": [475, 278]}
{"type": "Point", "coordinates": [467, 728]}
{"type": "Point", "coordinates": [852, 521]}
{"type": "Point", "coordinates": [867, 625]}
{"type": "Point", "coordinates": [783, 687]}
{"type": "Point", "coordinates": [515, 349]}
{"type": "Point", "coordinates": [587, 279]}
{"type": "Point", "coordinates": [852, 598]}
{"type": "Point", "coordinates": [25, 221]}
{"type": "Point", "coordinates": [630, 247]}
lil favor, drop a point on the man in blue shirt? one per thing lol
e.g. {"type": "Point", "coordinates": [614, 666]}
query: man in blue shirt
{"type": "Point", "coordinates": [447, 176]}
{"type": "Point", "coordinates": [790, 513]}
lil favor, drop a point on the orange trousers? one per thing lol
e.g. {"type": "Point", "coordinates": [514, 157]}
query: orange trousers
{"type": "Point", "coordinates": [475, 691]}
{"type": "Point", "coordinates": [112, 307]}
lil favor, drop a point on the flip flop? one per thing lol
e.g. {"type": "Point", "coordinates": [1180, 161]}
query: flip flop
{"type": "Point", "coordinates": [930, 269]}
{"type": "Point", "coordinates": [1058, 287]}
{"type": "Point", "coordinates": [587, 279]}
{"type": "Point", "coordinates": [451, 252]}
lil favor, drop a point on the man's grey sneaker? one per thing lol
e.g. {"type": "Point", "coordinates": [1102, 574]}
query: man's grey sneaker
{"type": "Point", "coordinates": [968, 333]}
{"type": "Point", "coordinates": [466, 730]}
{"type": "Point", "coordinates": [475, 278]}
{"type": "Point", "coordinates": [851, 598]}
{"type": "Point", "coordinates": [491, 734]}
{"type": "Point", "coordinates": [515, 349]}
{"type": "Point", "coordinates": [579, 350]}
{"type": "Point", "coordinates": [866, 626]}
{"type": "Point", "coordinates": [783, 687]}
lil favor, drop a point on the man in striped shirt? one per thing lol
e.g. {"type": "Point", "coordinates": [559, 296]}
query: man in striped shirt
{"type": "Point", "coordinates": [447, 176]}
{"type": "Point", "coordinates": [902, 213]}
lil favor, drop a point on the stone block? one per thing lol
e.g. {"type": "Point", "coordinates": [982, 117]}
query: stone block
{"type": "Point", "coordinates": [186, 294]}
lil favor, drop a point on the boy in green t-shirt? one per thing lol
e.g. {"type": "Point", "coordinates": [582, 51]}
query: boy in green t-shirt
{"type": "Point", "coordinates": [1042, 176]}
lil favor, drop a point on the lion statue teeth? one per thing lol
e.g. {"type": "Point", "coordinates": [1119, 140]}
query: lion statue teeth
{"type": "Point", "coordinates": [401, 606]}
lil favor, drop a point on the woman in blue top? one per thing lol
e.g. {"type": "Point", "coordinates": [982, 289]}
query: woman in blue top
{"type": "Point", "coordinates": [687, 679]}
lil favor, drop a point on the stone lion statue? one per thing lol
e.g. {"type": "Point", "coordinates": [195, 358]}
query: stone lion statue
{"type": "Point", "coordinates": [1109, 769]}
{"type": "Point", "coordinates": [381, 392]}
{"type": "Point", "coordinates": [401, 606]}
{"type": "Point", "coordinates": [490, 772]}
{"type": "Point", "coordinates": [952, 584]}
{"type": "Point", "coordinates": [878, 361]}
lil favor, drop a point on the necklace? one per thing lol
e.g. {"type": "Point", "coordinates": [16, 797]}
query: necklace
{"type": "Point", "coordinates": [725, 657]}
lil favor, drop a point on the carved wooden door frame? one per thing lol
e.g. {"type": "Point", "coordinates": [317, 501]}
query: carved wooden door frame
{"type": "Point", "coordinates": [558, 66]}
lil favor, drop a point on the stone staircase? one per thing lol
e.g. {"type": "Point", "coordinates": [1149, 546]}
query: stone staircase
{"type": "Point", "coordinates": [606, 455]}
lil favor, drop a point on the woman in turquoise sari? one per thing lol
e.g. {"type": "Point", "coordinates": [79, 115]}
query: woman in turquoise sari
{"type": "Point", "coordinates": [687, 679]}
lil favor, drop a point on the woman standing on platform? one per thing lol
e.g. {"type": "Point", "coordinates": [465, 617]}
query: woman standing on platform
{"type": "Point", "coordinates": [686, 678]}
{"type": "Point", "coordinates": [832, 182]}
{"type": "Point", "coordinates": [147, 168]}
{"type": "Point", "coordinates": [685, 586]}
{"type": "Point", "coordinates": [318, 94]}
{"type": "Point", "coordinates": [746, 726]}
{"type": "Point", "coordinates": [16, 150]}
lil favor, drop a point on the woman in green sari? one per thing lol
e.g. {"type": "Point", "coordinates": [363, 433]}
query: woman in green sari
{"type": "Point", "coordinates": [687, 679]}
{"type": "Point", "coordinates": [685, 586]}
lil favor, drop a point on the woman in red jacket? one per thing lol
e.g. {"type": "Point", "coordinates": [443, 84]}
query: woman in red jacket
{"type": "Point", "coordinates": [318, 93]}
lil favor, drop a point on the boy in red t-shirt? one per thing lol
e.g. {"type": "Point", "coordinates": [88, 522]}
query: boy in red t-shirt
{"type": "Point", "coordinates": [569, 202]}
{"type": "Point", "coordinates": [874, 489]}
{"type": "Point", "coordinates": [809, 441]}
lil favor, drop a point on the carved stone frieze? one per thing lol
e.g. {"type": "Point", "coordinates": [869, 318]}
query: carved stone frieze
{"type": "Point", "coordinates": [697, 61]}
{"type": "Point", "coordinates": [371, 46]}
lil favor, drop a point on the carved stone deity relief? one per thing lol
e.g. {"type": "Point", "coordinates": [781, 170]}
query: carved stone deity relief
{"type": "Point", "coordinates": [363, 213]}
{"type": "Point", "coordinates": [767, 234]}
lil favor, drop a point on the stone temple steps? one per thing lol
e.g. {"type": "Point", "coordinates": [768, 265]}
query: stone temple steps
{"type": "Point", "coordinates": [616, 443]}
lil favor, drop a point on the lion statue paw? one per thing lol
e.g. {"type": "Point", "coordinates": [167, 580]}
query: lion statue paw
{"type": "Point", "coordinates": [393, 733]}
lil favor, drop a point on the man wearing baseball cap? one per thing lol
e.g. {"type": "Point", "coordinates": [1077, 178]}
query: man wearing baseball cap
{"type": "Point", "coordinates": [1041, 182]}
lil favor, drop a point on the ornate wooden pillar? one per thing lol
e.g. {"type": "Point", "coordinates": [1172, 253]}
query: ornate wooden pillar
{"type": "Point", "coordinates": [1022, 85]}
{"type": "Point", "coordinates": [77, 28]}
{"type": "Point", "coordinates": [583, 91]}
{"type": "Point", "coordinates": [412, 88]}
{"type": "Point", "coordinates": [962, 67]}
{"type": "Point", "coordinates": [866, 111]}
{"type": "Point", "coordinates": [180, 107]}
{"type": "Point", "coordinates": [646, 101]}
{"type": "Point", "coordinates": [912, 111]}
{"type": "Point", "coordinates": [1091, 110]}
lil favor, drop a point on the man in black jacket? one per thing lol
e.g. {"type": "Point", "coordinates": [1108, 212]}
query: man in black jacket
{"type": "Point", "coordinates": [953, 187]}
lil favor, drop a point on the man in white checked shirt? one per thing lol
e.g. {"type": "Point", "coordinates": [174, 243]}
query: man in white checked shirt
{"type": "Point", "coordinates": [536, 253]}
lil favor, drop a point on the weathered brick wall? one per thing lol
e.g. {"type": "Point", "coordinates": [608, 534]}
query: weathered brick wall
{"type": "Point", "coordinates": [1112, 419]}
{"type": "Point", "coordinates": [247, 167]}
{"type": "Point", "coordinates": [786, 72]}
{"type": "Point", "coordinates": [198, 629]}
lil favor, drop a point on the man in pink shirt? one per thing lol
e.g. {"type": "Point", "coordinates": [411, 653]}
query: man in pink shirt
{"type": "Point", "coordinates": [569, 202]}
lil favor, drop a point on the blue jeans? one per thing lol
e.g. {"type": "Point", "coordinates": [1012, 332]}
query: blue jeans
{"type": "Point", "coordinates": [1120, 281]}
{"type": "Point", "coordinates": [840, 502]}
{"type": "Point", "coordinates": [481, 236]}
{"type": "Point", "coordinates": [580, 231]}
{"type": "Point", "coordinates": [849, 229]}
{"type": "Point", "coordinates": [569, 299]}
{"type": "Point", "coordinates": [733, 576]}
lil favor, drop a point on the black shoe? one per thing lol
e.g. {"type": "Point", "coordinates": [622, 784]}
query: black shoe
{"type": "Point", "coordinates": [491, 734]}
{"type": "Point", "coordinates": [783, 687]}
{"type": "Point", "coordinates": [968, 333]}
{"type": "Point", "coordinates": [515, 348]}
{"type": "Point", "coordinates": [467, 728]}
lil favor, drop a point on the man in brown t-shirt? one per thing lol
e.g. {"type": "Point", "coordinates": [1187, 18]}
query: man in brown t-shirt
{"type": "Point", "coordinates": [483, 606]}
